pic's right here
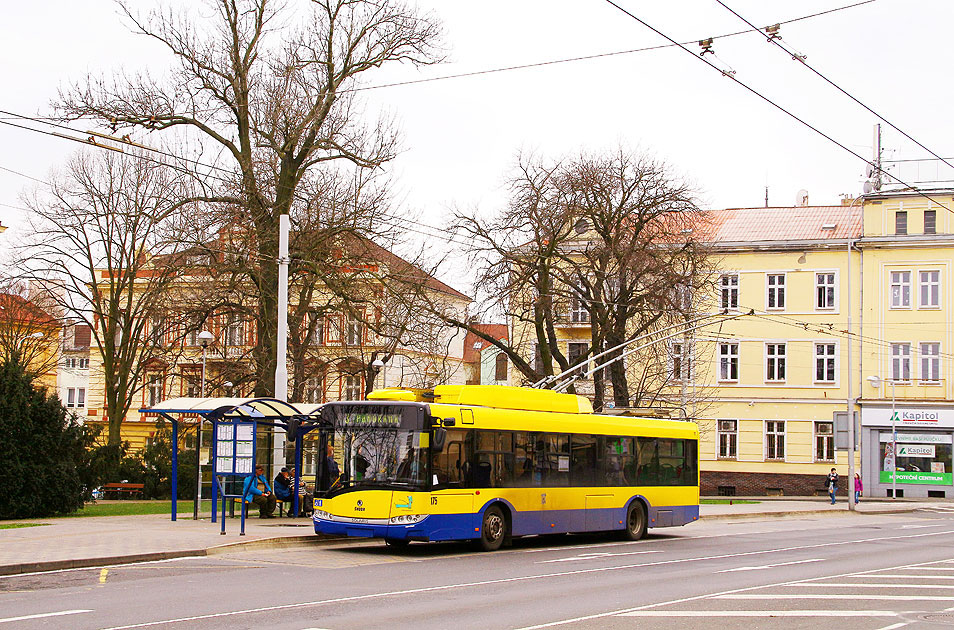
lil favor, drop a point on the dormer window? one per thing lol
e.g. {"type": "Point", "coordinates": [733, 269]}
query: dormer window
{"type": "Point", "coordinates": [829, 226]}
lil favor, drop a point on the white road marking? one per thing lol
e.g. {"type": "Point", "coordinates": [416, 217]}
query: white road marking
{"type": "Point", "coordinates": [44, 615]}
{"type": "Point", "coordinates": [921, 526]}
{"type": "Point", "coordinates": [759, 613]}
{"type": "Point", "coordinates": [111, 566]}
{"type": "Point", "coordinates": [771, 566]}
{"type": "Point", "coordinates": [614, 613]}
{"type": "Point", "coordinates": [936, 569]}
{"type": "Point", "coordinates": [597, 556]}
{"type": "Point", "coordinates": [864, 585]}
{"type": "Point", "coordinates": [444, 587]}
{"type": "Point", "coordinates": [900, 598]}
{"type": "Point", "coordinates": [900, 576]}
{"type": "Point", "coordinates": [894, 626]}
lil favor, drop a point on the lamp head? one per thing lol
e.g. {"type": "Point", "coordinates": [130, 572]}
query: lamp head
{"type": "Point", "coordinates": [874, 381]}
{"type": "Point", "coordinates": [377, 364]}
{"type": "Point", "coordinates": [205, 337]}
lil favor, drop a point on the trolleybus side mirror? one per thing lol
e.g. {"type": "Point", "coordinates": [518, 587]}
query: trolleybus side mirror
{"type": "Point", "coordinates": [440, 436]}
{"type": "Point", "coordinates": [449, 422]}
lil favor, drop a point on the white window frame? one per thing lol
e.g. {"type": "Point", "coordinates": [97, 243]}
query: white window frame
{"type": "Point", "coordinates": [899, 288]}
{"type": "Point", "coordinates": [824, 284]}
{"type": "Point", "coordinates": [70, 396]}
{"type": "Point", "coordinates": [932, 285]}
{"type": "Point", "coordinates": [776, 436]}
{"type": "Point", "coordinates": [827, 438]}
{"type": "Point", "coordinates": [354, 332]}
{"type": "Point", "coordinates": [155, 389]}
{"type": "Point", "coordinates": [235, 333]}
{"type": "Point", "coordinates": [930, 363]}
{"type": "Point", "coordinates": [901, 362]}
{"type": "Point", "coordinates": [774, 360]}
{"type": "Point", "coordinates": [729, 284]}
{"type": "Point", "coordinates": [315, 390]}
{"type": "Point", "coordinates": [727, 439]}
{"type": "Point", "coordinates": [80, 397]}
{"type": "Point", "coordinates": [84, 363]}
{"type": "Point", "coordinates": [826, 357]}
{"type": "Point", "coordinates": [775, 290]}
{"type": "Point", "coordinates": [728, 358]}
{"type": "Point", "coordinates": [578, 313]}
{"type": "Point", "coordinates": [583, 367]}
{"type": "Point", "coordinates": [680, 360]}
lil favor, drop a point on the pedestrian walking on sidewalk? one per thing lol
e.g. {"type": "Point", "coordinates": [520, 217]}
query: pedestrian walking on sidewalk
{"type": "Point", "coordinates": [832, 482]}
{"type": "Point", "coordinates": [858, 488]}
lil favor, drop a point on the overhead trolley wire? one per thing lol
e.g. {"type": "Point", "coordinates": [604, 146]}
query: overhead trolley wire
{"type": "Point", "coordinates": [776, 41]}
{"type": "Point", "coordinates": [731, 75]}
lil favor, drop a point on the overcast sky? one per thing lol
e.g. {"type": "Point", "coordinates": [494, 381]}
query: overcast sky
{"type": "Point", "coordinates": [461, 136]}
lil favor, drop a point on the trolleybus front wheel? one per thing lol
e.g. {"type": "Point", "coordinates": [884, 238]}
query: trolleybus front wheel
{"type": "Point", "coordinates": [398, 543]}
{"type": "Point", "coordinates": [635, 522]}
{"type": "Point", "coordinates": [493, 529]}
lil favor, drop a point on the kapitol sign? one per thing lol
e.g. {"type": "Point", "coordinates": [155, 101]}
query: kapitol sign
{"type": "Point", "coordinates": [908, 417]}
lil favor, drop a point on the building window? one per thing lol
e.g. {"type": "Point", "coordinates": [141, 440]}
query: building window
{"type": "Point", "coordinates": [728, 438]}
{"type": "Point", "coordinates": [931, 363]}
{"type": "Point", "coordinates": [500, 367]}
{"type": "Point", "coordinates": [72, 363]}
{"type": "Point", "coordinates": [71, 397]}
{"type": "Point", "coordinates": [930, 289]}
{"type": "Point", "coordinates": [824, 442]}
{"type": "Point", "coordinates": [235, 332]}
{"type": "Point", "coordinates": [775, 361]}
{"type": "Point", "coordinates": [901, 361]}
{"type": "Point", "coordinates": [316, 324]}
{"type": "Point", "coordinates": [352, 387]}
{"type": "Point", "coordinates": [729, 286]}
{"type": "Point", "coordinates": [578, 312]}
{"type": "Point", "coordinates": [774, 439]}
{"type": "Point", "coordinates": [930, 221]}
{"type": "Point", "coordinates": [900, 289]}
{"type": "Point", "coordinates": [193, 385]}
{"type": "Point", "coordinates": [681, 361]}
{"type": "Point", "coordinates": [315, 390]}
{"type": "Point", "coordinates": [728, 361]}
{"type": "Point", "coordinates": [775, 297]}
{"type": "Point", "coordinates": [354, 332]}
{"type": "Point", "coordinates": [153, 390]}
{"type": "Point", "coordinates": [825, 290]}
{"type": "Point", "coordinates": [576, 351]}
{"type": "Point", "coordinates": [825, 363]}
{"type": "Point", "coordinates": [901, 222]}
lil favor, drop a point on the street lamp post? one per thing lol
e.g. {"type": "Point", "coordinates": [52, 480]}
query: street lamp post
{"type": "Point", "coordinates": [205, 337]}
{"type": "Point", "coordinates": [876, 382]}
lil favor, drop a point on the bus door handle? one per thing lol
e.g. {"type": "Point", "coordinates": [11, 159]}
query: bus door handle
{"type": "Point", "coordinates": [543, 499]}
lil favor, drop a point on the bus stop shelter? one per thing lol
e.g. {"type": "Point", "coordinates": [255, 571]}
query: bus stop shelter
{"type": "Point", "coordinates": [272, 412]}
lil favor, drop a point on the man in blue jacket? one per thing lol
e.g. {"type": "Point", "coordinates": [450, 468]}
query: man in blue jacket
{"type": "Point", "coordinates": [260, 493]}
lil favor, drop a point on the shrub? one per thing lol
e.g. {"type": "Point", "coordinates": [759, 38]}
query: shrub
{"type": "Point", "coordinates": [41, 447]}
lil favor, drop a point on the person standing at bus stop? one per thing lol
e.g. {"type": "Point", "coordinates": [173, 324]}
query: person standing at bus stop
{"type": "Point", "coordinates": [832, 482]}
{"type": "Point", "coordinates": [258, 491]}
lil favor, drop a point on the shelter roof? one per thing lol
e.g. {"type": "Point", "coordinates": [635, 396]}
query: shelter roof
{"type": "Point", "coordinates": [230, 407]}
{"type": "Point", "coordinates": [733, 225]}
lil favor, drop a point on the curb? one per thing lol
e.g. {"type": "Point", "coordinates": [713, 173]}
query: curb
{"type": "Point", "coordinates": [841, 512]}
{"type": "Point", "coordinates": [277, 542]}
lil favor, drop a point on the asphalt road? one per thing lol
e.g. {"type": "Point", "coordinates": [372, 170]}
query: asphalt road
{"type": "Point", "coordinates": [842, 571]}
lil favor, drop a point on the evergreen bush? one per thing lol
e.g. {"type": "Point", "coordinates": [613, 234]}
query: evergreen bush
{"type": "Point", "coordinates": [41, 446]}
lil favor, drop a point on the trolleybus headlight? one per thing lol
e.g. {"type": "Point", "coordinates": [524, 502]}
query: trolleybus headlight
{"type": "Point", "coordinates": [325, 516]}
{"type": "Point", "coordinates": [406, 519]}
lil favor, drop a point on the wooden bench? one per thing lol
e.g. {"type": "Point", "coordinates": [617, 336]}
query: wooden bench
{"type": "Point", "coordinates": [120, 490]}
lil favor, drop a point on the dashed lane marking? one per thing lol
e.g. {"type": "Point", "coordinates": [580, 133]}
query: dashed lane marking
{"type": "Point", "coordinates": [759, 613]}
{"type": "Point", "coordinates": [59, 613]}
{"type": "Point", "coordinates": [900, 598]}
{"type": "Point", "coordinates": [771, 566]}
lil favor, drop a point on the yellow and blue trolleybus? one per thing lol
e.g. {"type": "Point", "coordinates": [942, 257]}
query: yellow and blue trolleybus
{"type": "Point", "coordinates": [488, 463]}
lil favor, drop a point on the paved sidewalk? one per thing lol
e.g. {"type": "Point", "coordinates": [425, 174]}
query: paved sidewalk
{"type": "Point", "coordinates": [95, 541]}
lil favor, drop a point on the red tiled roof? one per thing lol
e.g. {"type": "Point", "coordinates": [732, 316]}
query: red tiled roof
{"type": "Point", "coordinates": [781, 224]}
{"type": "Point", "coordinates": [472, 354]}
{"type": "Point", "coordinates": [23, 311]}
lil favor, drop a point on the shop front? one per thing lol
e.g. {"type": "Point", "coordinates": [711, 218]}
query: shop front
{"type": "Point", "coordinates": [910, 450]}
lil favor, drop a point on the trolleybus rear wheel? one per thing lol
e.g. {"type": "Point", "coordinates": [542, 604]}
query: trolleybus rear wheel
{"type": "Point", "coordinates": [493, 529]}
{"type": "Point", "coordinates": [635, 522]}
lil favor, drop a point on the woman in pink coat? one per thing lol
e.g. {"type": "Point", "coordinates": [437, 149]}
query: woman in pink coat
{"type": "Point", "coordinates": [858, 488]}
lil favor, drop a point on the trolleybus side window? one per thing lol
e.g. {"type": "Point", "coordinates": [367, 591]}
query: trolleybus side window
{"type": "Point", "coordinates": [583, 458]}
{"type": "Point", "coordinates": [494, 458]}
{"type": "Point", "coordinates": [557, 467]}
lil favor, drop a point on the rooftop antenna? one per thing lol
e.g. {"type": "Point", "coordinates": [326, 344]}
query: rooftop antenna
{"type": "Point", "coordinates": [766, 196]}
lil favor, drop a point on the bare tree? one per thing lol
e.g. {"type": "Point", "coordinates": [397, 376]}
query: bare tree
{"type": "Point", "coordinates": [29, 330]}
{"type": "Point", "coordinates": [273, 98]}
{"type": "Point", "coordinates": [93, 252]}
{"type": "Point", "coordinates": [606, 242]}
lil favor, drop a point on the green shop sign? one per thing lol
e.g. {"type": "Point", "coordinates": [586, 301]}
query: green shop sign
{"type": "Point", "coordinates": [934, 479]}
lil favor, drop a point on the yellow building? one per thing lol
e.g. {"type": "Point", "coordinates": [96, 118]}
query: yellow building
{"type": "Point", "coordinates": [829, 299]}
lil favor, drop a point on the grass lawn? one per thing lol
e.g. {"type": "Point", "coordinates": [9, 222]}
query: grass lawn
{"type": "Point", "coordinates": [724, 501]}
{"type": "Point", "coordinates": [19, 525]}
{"type": "Point", "coordinates": [126, 508]}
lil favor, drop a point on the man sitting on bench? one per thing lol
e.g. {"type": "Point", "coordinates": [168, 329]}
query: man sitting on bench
{"type": "Point", "coordinates": [258, 491]}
